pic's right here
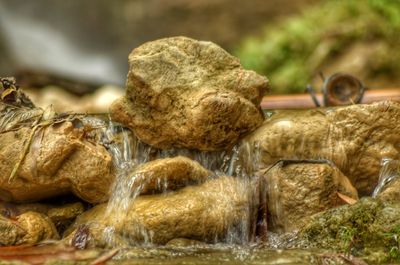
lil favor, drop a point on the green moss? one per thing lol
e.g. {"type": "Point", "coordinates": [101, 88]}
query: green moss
{"type": "Point", "coordinates": [368, 224]}
{"type": "Point", "coordinates": [291, 53]}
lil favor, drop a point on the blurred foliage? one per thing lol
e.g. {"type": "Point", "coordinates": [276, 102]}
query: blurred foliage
{"type": "Point", "coordinates": [291, 53]}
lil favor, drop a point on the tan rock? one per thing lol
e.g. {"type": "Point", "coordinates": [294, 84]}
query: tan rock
{"type": "Point", "coordinates": [54, 212]}
{"type": "Point", "coordinates": [355, 138]}
{"type": "Point", "coordinates": [184, 242]}
{"type": "Point", "coordinates": [59, 160]}
{"type": "Point", "coordinates": [297, 190]}
{"type": "Point", "coordinates": [388, 188]}
{"type": "Point", "coordinates": [206, 212]}
{"type": "Point", "coordinates": [28, 228]}
{"type": "Point", "coordinates": [168, 174]}
{"type": "Point", "coordinates": [391, 193]}
{"type": "Point", "coordinates": [187, 93]}
{"type": "Point", "coordinates": [65, 212]}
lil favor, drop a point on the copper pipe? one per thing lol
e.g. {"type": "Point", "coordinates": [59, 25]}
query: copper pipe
{"type": "Point", "coordinates": [304, 101]}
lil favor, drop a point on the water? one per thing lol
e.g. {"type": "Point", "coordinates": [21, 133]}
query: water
{"type": "Point", "coordinates": [129, 153]}
{"type": "Point", "coordinates": [390, 171]}
{"type": "Point", "coordinates": [219, 254]}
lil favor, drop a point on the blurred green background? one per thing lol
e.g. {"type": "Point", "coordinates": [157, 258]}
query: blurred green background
{"type": "Point", "coordinates": [361, 37]}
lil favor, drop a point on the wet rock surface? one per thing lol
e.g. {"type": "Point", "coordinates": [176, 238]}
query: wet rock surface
{"type": "Point", "coordinates": [388, 188]}
{"type": "Point", "coordinates": [187, 93]}
{"type": "Point", "coordinates": [166, 174]}
{"type": "Point", "coordinates": [297, 190]}
{"type": "Point", "coordinates": [206, 212]}
{"type": "Point", "coordinates": [355, 138]}
{"type": "Point", "coordinates": [391, 192]}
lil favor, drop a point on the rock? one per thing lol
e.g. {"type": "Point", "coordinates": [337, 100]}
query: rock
{"type": "Point", "coordinates": [28, 228]}
{"type": "Point", "coordinates": [184, 242]}
{"type": "Point", "coordinates": [366, 224]}
{"type": "Point", "coordinates": [65, 212]}
{"type": "Point", "coordinates": [297, 190]}
{"type": "Point", "coordinates": [191, 94]}
{"type": "Point", "coordinates": [55, 213]}
{"type": "Point", "coordinates": [355, 138]}
{"type": "Point", "coordinates": [391, 192]}
{"type": "Point", "coordinates": [61, 216]}
{"type": "Point", "coordinates": [63, 101]}
{"type": "Point", "coordinates": [165, 174]}
{"type": "Point", "coordinates": [388, 188]}
{"type": "Point", "coordinates": [59, 160]}
{"type": "Point", "coordinates": [208, 212]}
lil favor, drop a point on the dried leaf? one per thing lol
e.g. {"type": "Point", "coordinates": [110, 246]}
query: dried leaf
{"type": "Point", "coordinates": [40, 254]}
{"type": "Point", "coordinates": [7, 92]}
{"type": "Point", "coordinates": [346, 198]}
{"type": "Point", "coordinates": [105, 257]}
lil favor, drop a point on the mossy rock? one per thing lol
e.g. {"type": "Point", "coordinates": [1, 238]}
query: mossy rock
{"type": "Point", "coordinates": [358, 229]}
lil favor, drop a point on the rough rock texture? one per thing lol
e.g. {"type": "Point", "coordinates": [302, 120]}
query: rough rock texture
{"type": "Point", "coordinates": [59, 160]}
{"type": "Point", "coordinates": [388, 188]}
{"type": "Point", "coordinates": [187, 93]}
{"type": "Point", "coordinates": [55, 213]}
{"type": "Point", "coordinates": [391, 192]}
{"type": "Point", "coordinates": [298, 190]}
{"type": "Point", "coordinates": [206, 212]}
{"type": "Point", "coordinates": [168, 174]}
{"type": "Point", "coordinates": [355, 138]}
{"type": "Point", "coordinates": [27, 228]}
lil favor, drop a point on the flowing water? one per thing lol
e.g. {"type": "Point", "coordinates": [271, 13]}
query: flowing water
{"type": "Point", "coordinates": [390, 171]}
{"type": "Point", "coordinates": [222, 254]}
{"type": "Point", "coordinates": [236, 247]}
{"type": "Point", "coordinates": [129, 153]}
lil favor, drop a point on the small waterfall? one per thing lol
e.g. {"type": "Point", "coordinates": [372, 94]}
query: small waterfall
{"type": "Point", "coordinates": [389, 172]}
{"type": "Point", "coordinates": [128, 152]}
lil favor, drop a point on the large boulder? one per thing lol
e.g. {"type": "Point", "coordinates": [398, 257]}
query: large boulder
{"type": "Point", "coordinates": [187, 93]}
{"type": "Point", "coordinates": [208, 212]}
{"type": "Point", "coordinates": [54, 159]}
{"type": "Point", "coordinates": [299, 189]}
{"type": "Point", "coordinates": [355, 138]}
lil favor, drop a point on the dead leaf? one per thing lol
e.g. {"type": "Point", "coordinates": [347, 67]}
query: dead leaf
{"type": "Point", "coordinates": [105, 257]}
{"type": "Point", "coordinates": [346, 198]}
{"type": "Point", "coordinates": [7, 92]}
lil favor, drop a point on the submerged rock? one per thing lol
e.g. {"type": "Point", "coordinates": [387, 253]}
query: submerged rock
{"type": "Point", "coordinates": [27, 228]}
{"type": "Point", "coordinates": [54, 159]}
{"type": "Point", "coordinates": [191, 94]}
{"type": "Point", "coordinates": [209, 212]}
{"type": "Point", "coordinates": [184, 242]}
{"type": "Point", "coordinates": [297, 190]}
{"type": "Point", "coordinates": [355, 138]}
